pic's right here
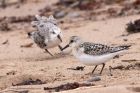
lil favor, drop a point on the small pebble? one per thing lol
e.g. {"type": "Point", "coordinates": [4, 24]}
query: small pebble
{"type": "Point", "coordinates": [96, 78]}
{"type": "Point", "coordinates": [73, 15]}
{"type": "Point", "coordinates": [59, 14]}
{"type": "Point", "coordinates": [125, 39]}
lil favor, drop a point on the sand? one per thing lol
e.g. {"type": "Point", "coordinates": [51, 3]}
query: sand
{"type": "Point", "coordinates": [33, 62]}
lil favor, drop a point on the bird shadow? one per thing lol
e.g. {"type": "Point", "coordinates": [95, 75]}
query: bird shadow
{"type": "Point", "coordinates": [49, 57]}
{"type": "Point", "coordinates": [56, 56]}
{"type": "Point", "coordinates": [93, 75]}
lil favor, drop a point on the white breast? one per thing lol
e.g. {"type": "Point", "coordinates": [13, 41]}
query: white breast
{"type": "Point", "coordinates": [94, 60]}
{"type": "Point", "coordinates": [53, 43]}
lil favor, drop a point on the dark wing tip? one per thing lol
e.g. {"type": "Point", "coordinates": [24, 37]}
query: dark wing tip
{"type": "Point", "coordinates": [125, 47]}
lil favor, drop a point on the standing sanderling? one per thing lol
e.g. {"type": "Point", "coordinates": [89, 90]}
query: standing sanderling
{"type": "Point", "coordinates": [93, 54]}
{"type": "Point", "coordinates": [48, 34]}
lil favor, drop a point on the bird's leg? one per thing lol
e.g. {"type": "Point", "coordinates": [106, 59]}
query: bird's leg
{"type": "Point", "coordinates": [102, 68]}
{"type": "Point", "coordinates": [110, 69]}
{"type": "Point", "coordinates": [48, 52]}
{"type": "Point", "coordinates": [60, 47]}
{"type": "Point", "coordinates": [94, 69]}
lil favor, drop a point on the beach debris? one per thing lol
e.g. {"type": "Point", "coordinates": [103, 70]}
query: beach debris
{"type": "Point", "coordinates": [14, 19]}
{"type": "Point", "coordinates": [30, 81]}
{"type": "Point", "coordinates": [6, 3]}
{"type": "Point", "coordinates": [4, 26]}
{"type": "Point", "coordinates": [130, 60]}
{"type": "Point", "coordinates": [3, 3]}
{"type": "Point", "coordinates": [27, 45]}
{"type": "Point", "coordinates": [117, 56]}
{"type": "Point", "coordinates": [77, 68]}
{"type": "Point", "coordinates": [81, 4]}
{"type": "Point", "coordinates": [69, 3]}
{"type": "Point", "coordinates": [24, 91]}
{"type": "Point", "coordinates": [128, 67]}
{"type": "Point", "coordinates": [65, 8]}
{"type": "Point", "coordinates": [133, 27]}
{"type": "Point", "coordinates": [5, 22]}
{"type": "Point", "coordinates": [45, 9]}
{"type": "Point", "coordinates": [67, 86]}
{"type": "Point", "coordinates": [118, 67]}
{"type": "Point", "coordinates": [134, 89]}
{"type": "Point", "coordinates": [96, 78]}
{"type": "Point", "coordinates": [11, 73]}
{"type": "Point", "coordinates": [5, 42]}
{"type": "Point", "coordinates": [59, 14]}
{"type": "Point", "coordinates": [125, 39]}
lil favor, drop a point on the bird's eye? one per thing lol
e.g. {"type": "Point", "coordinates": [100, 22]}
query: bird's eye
{"type": "Point", "coordinates": [53, 32]}
{"type": "Point", "coordinates": [72, 41]}
{"type": "Point", "coordinates": [55, 24]}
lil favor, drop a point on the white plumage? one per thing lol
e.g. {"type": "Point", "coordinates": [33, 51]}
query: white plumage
{"type": "Point", "coordinates": [93, 54]}
{"type": "Point", "coordinates": [48, 34]}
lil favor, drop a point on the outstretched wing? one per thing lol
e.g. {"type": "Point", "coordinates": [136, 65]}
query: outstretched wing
{"type": "Point", "coordinates": [100, 49]}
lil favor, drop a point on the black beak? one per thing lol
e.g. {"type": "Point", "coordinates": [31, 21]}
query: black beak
{"type": "Point", "coordinates": [59, 38]}
{"type": "Point", "coordinates": [65, 47]}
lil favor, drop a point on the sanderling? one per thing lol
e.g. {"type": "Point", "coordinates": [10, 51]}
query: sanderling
{"type": "Point", "coordinates": [93, 54]}
{"type": "Point", "coordinates": [48, 34]}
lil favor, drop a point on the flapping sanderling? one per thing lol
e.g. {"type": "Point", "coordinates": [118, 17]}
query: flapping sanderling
{"type": "Point", "coordinates": [93, 54]}
{"type": "Point", "coordinates": [48, 34]}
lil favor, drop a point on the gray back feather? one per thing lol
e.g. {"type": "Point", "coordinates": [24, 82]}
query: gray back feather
{"type": "Point", "coordinates": [100, 49]}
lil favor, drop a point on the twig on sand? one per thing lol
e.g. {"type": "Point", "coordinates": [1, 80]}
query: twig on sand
{"type": "Point", "coordinates": [77, 68]}
{"type": "Point", "coordinates": [27, 45]}
{"type": "Point", "coordinates": [20, 89]}
{"type": "Point", "coordinates": [5, 42]}
{"type": "Point", "coordinates": [130, 60]}
{"type": "Point", "coordinates": [67, 86]}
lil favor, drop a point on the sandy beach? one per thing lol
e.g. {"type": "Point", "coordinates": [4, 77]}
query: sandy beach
{"type": "Point", "coordinates": [19, 62]}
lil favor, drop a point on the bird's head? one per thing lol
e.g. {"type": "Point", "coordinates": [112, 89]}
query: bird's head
{"type": "Point", "coordinates": [73, 42]}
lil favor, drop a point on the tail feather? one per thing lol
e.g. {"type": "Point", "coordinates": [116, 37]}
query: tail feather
{"type": "Point", "coordinates": [120, 48]}
{"type": "Point", "coordinates": [124, 47]}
